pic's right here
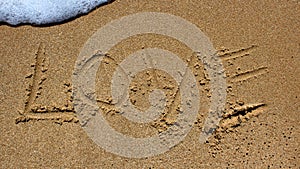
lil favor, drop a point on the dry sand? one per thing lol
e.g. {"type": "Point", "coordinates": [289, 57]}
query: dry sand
{"type": "Point", "coordinates": [258, 43]}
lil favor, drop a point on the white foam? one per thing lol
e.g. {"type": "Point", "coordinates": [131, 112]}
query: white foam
{"type": "Point", "coordinates": [40, 12]}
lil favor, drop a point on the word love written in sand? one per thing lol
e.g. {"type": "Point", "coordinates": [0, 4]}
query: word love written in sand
{"type": "Point", "coordinates": [171, 114]}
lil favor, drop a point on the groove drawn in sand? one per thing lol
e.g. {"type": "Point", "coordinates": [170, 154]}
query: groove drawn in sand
{"type": "Point", "coordinates": [234, 118]}
{"type": "Point", "coordinates": [58, 117]}
{"type": "Point", "coordinates": [36, 113]}
{"type": "Point", "coordinates": [240, 114]}
{"type": "Point", "coordinates": [108, 103]}
{"type": "Point", "coordinates": [249, 74]}
{"type": "Point", "coordinates": [168, 118]}
{"type": "Point", "coordinates": [37, 79]}
{"type": "Point", "coordinates": [109, 58]}
{"type": "Point", "coordinates": [227, 55]}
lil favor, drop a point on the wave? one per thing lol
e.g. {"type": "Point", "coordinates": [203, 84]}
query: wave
{"type": "Point", "coordinates": [40, 12]}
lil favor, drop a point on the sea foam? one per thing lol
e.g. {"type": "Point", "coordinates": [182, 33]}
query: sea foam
{"type": "Point", "coordinates": [40, 12]}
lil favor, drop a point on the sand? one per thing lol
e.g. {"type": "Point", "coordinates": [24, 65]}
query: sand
{"type": "Point", "coordinates": [258, 43]}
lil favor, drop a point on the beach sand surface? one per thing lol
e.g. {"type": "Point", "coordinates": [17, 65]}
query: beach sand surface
{"type": "Point", "coordinates": [259, 45]}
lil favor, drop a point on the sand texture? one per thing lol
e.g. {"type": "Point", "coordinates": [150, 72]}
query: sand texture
{"type": "Point", "coordinates": [257, 41]}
